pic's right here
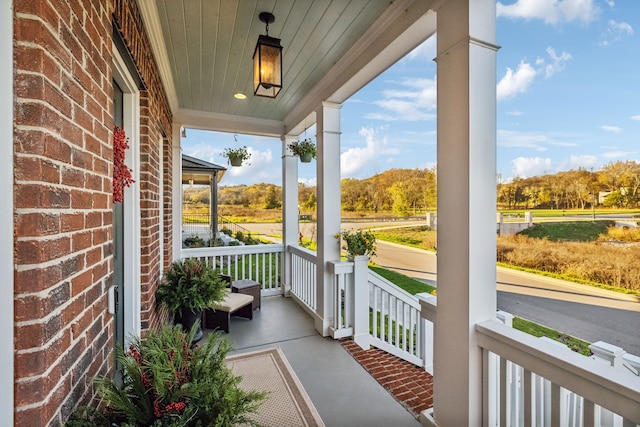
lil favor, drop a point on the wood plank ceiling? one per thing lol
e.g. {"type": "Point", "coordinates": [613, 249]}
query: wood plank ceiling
{"type": "Point", "coordinates": [210, 45]}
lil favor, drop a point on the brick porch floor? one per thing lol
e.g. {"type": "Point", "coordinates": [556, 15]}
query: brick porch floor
{"type": "Point", "coordinates": [409, 384]}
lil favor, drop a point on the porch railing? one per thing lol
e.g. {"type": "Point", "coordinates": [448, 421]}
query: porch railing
{"type": "Point", "coordinates": [303, 276]}
{"type": "Point", "coordinates": [261, 263]}
{"type": "Point", "coordinates": [531, 382]}
{"type": "Point", "coordinates": [396, 324]}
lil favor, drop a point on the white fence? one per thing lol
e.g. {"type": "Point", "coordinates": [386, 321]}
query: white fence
{"type": "Point", "coordinates": [261, 263]}
{"type": "Point", "coordinates": [303, 276]}
{"type": "Point", "coordinates": [533, 382]}
{"type": "Point", "coordinates": [396, 325]}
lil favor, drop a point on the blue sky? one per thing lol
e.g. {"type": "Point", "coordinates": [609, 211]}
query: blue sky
{"type": "Point", "coordinates": [568, 92]}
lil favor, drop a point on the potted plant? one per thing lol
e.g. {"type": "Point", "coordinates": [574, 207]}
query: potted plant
{"type": "Point", "coordinates": [166, 382]}
{"type": "Point", "coordinates": [187, 288]}
{"type": "Point", "coordinates": [305, 149]}
{"type": "Point", "coordinates": [236, 156]}
{"type": "Point", "coordinates": [359, 243]}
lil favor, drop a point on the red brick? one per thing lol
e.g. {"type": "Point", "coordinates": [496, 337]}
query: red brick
{"type": "Point", "coordinates": [35, 252]}
{"type": "Point", "coordinates": [37, 224]}
{"type": "Point", "coordinates": [72, 222]}
{"type": "Point", "coordinates": [81, 199]}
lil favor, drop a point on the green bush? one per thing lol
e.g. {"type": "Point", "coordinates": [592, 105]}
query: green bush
{"type": "Point", "coordinates": [193, 242]}
{"type": "Point", "coordinates": [168, 384]}
{"type": "Point", "coordinates": [189, 284]}
{"type": "Point", "coordinates": [359, 242]}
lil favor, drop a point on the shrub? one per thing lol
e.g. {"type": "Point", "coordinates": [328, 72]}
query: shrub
{"type": "Point", "coordinates": [359, 242]}
{"type": "Point", "coordinates": [189, 284]}
{"type": "Point", "coordinates": [168, 384]}
{"type": "Point", "coordinates": [193, 242]}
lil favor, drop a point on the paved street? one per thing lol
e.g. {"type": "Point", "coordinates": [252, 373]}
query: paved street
{"type": "Point", "coordinates": [583, 311]}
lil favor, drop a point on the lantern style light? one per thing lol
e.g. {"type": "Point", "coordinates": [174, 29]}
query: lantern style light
{"type": "Point", "coordinates": [267, 62]}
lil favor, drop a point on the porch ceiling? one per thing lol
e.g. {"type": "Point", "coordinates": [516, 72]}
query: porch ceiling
{"type": "Point", "coordinates": [332, 48]}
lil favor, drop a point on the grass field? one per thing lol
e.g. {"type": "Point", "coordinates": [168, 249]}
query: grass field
{"type": "Point", "coordinates": [571, 231]}
{"type": "Point", "coordinates": [580, 251]}
{"type": "Point", "coordinates": [571, 212]}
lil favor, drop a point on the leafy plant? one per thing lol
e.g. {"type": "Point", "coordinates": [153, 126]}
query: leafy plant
{"type": "Point", "coordinates": [240, 153]}
{"type": "Point", "coordinates": [193, 242]}
{"type": "Point", "coordinates": [301, 147]}
{"type": "Point", "coordinates": [189, 284]}
{"type": "Point", "coordinates": [359, 242]}
{"type": "Point", "coordinates": [166, 383]}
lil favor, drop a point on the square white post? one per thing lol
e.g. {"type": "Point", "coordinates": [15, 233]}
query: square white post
{"type": "Point", "coordinates": [289, 208]}
{"type": "Point", "coordinates": [328, 173]}
{"type": "Point", "coordinates": [466, 123]}
{"type": "Point", "coordinates": [176, 192]}
{"type": "Point", "coordinates": [6, 215]}
{"type": "Point", "coordinates": [360, 325]}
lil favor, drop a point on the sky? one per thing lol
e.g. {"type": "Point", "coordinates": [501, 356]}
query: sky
{"type": "Point", "coordinates": [568, 90]}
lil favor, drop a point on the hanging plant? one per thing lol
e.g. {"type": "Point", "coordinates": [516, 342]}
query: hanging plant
{"type": "Point", "coordinates": [236, 156]}
{"type": "Point", "coordinates": [304, 148]}
{"type": "Point", "coordinates": [121, 173]}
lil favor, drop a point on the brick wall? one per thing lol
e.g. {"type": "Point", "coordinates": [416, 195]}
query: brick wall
{"type": "Point", "coordinates": [62, 196]}
{"type": "Point", "coordinates": [155, 131]}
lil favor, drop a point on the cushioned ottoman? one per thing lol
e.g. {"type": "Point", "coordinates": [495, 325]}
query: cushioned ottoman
{"type": "Point", "coordinates": [233, 304]}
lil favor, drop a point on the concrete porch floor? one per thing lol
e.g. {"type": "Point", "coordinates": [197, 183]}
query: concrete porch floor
{"type": "Point", "coordinates": [343, 392]}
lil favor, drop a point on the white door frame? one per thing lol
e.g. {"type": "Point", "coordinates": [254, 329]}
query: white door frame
{"type": "Point", "coordinates": [131, 124]}
{"type": "Point", "coordinates": [6, 215]}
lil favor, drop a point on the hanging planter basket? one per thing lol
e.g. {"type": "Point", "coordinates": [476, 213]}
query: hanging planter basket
{"type": "Point", "coordinates": [235, 161]}
{"type": "Point", "coordinates": [236, 156]}
{"type": "Point", "coordinates": [306, 157]}
{"type": "Point", "coordinates": [305, 149]}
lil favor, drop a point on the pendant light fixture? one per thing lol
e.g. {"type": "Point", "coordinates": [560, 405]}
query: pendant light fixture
{"type": "Point", "coordinates": [267, 62]}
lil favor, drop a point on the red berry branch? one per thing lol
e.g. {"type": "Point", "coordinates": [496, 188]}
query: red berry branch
{"type": "Point", "coordinates": [121, 172]}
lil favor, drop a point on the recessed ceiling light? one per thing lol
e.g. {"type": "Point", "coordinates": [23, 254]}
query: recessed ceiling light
{"type": "Point", "coordinates": [239, 95]}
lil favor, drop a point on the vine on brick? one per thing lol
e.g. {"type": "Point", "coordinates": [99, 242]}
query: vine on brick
{"type": "Point", "coordinates": [121, 172]}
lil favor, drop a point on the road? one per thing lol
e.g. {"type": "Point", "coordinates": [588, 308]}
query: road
{"type": "Point", "coordinates": [582, 311]}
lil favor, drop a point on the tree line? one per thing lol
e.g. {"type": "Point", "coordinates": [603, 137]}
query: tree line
{"type": "Point", "coordinates": [615, 185]}
{"type": "Point", "coordinates": [401, 191]}
{"type": "Point", "coordinates": [407, 192]}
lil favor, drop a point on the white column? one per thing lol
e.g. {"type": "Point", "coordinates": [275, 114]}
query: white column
{"type": "Point", "coordinates": [289, 208]}
{"type": "Point", "coordinates": [361, 335]}
{"type": "Point", "coordinates": [176, 193]}
{"type": "Point", "coordinates": [328, 173]}
{"type": "Point", "coordinates": [6, 214]}
{"type": "Point", "coordinates": [466, 58]}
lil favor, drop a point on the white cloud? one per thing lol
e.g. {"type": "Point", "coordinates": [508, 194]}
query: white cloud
{"type": "Point", "coordinates": [414, 102]}
{"type": "Point", "coordinates": [558, 62]}
{"type": "Point", "coordinates": [514, 113]}
{"type": "Point", "coordinates": [309, 182]}
{"type": "Point", "coordinates": [615, 31]}
{"type": "Point", "coordinates": [536, 141]}
{"type": "Point", "coordinates": [611, 3]}
{"type": "Point", "coordinates": [525, 167]}
{"type": "Point", "coordinates": [520, 139]}
{"type": "Point", "coordinates": [550, 11]}
{"type": "Point", "coordinates": [616, 154]}
{"type": "Point", "coordinates": [356, 159]}
{"type": "Point", "coordinates": [636, 117]}
{"type": "Point", "coordinates": [574, 162]}
{"type": "Point", "coordinates": [520, 80]}
{"type": "Point", "coordinates": [612, 129]}
{"type": "Point", "coordinates": [515, 82]}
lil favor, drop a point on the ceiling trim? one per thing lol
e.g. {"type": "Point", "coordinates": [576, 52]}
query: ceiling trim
{"type": "Point", "coordinates": [384, 43]}
{"type": "Point", "coordinates": [149, 12]}
{"type": "Point", "coordinates": [196, 119]}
